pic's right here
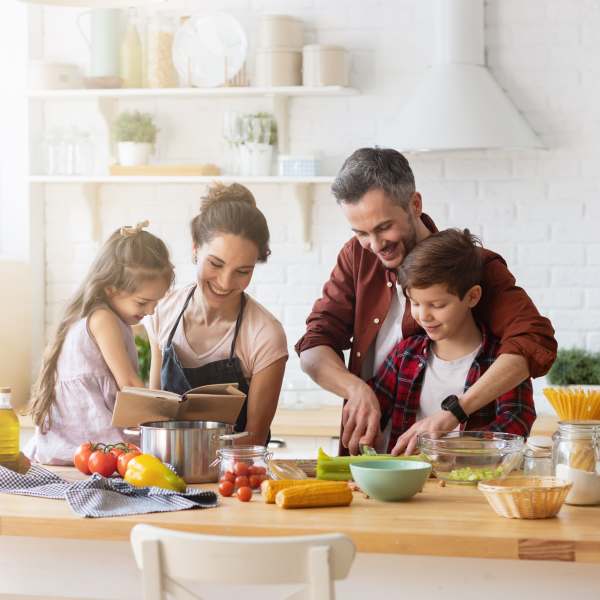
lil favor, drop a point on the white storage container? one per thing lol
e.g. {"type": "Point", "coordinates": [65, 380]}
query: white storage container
{"type": "Point", "coordinates": [278, 66]}
{"type": "Point", "coordinates": [297, 166]}
{"type": "Point", "coordinates": [45, 75]}
{"type": "Point", "coordinates": [280, 31]}
{"type": "Point", "coordinates": [324, 65]}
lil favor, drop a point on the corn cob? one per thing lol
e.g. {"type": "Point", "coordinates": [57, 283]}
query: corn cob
{"type": "Point", "coordinates": [337, 468]}
{"type": "Point", "coordinates": [335, 493]}
{"type": "Point", "coordinates": [270, 487]}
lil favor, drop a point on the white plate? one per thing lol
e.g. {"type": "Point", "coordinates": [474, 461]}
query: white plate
{"type": "Point", "coordinates": [203, 46]}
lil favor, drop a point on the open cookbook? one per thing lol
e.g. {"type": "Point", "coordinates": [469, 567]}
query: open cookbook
{"type": "Point", "coordinates": [216, 402]}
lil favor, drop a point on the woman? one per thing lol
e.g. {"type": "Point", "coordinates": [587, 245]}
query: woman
{"type": "Point", "coordinates": [211, 331]}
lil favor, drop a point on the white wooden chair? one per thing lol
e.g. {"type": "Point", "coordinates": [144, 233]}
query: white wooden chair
{"type": "Point", "coordinates": [169, 559]}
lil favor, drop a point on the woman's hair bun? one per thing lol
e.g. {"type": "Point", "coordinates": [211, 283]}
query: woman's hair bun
{"type": "Point", "coordinates": [219, 192]}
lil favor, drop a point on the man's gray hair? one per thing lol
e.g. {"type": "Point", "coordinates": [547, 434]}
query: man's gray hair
{"type": "Point", "coordinates": [374, 168]}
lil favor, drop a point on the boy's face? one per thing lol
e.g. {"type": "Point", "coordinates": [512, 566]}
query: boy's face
{"type": "Point", "coordinates": [439, 312]}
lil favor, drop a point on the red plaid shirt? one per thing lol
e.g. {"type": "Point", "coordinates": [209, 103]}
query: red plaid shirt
{"type": "Point", "coordinates": [400, 378]}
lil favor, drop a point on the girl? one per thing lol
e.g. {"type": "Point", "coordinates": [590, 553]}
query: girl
{"type": "Point", "coordinates": [93, 354]}
{"type": "Point", "coordinates": [210, 331]}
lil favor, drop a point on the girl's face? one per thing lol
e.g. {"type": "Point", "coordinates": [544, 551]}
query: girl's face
{"type": "Point", "coordinates": [133, 307]}
{"type": "Point", "coordinates": [225, 267]}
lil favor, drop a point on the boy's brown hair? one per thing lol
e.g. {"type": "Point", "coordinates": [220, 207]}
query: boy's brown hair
{"type": "Point", "coordinates": [452, 257]}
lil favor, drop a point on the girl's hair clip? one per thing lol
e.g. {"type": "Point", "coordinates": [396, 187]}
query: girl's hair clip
{"type": "Point", "coordinates": [127, 231]}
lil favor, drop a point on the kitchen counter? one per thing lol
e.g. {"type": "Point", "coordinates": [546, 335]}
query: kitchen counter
{"type": "Point", "coordinates": [451, 521]}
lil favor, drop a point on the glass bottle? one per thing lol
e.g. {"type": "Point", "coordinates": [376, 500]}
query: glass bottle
{"type": "Point", "coordinates": [576, 458]}
{"type": "Point", "coordinates": [9, 431]}
{"type": "Point", "coordinates": [131, 56]}
{"type": "Point", "coordinates": [83, 153]}
{"type": "Point", "coordinates": [160, 71]}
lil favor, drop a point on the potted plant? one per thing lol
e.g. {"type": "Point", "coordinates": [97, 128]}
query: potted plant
{"type": "Point", "coordinates": [576, 367]}
{"type": "Point", "coordinates": [135, 134]}
{"type": "Point", "coordinates": [259, 136]}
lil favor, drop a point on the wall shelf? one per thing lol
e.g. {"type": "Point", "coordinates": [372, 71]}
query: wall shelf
{"type": "Point", "coordinates": [296, 91]}
{"type": "Point", "coordinates": [107, 179]}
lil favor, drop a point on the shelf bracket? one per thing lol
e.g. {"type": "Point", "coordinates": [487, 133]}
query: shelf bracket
{"type": "Point", "coordinates": [280, 111]}
{"type": "Point", "coordinates": [302, 196]}
{"type": "Point", "coordinates": [107, 107]}
{"type": "Point", "coordinates": [92, 199]}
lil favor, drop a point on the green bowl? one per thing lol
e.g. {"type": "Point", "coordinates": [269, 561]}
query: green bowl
{"type": "Point", "coordinates": [391, 480]}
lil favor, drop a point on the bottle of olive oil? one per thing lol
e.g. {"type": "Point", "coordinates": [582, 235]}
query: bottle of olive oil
{"type": "Point", "coordinates": [9, 431]}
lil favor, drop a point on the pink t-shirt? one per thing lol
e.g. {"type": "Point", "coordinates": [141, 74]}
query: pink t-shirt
{"type": "Point", "coordinates": [85, 396]}
{"type": "Point", "coordinates": [260, 342]}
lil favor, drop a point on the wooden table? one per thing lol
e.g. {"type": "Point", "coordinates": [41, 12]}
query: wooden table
{"type": "Point", "coordinates": [440, 521]}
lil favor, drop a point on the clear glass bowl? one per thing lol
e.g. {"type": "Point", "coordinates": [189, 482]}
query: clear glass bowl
{"type": "Point", "coordinates": [467, 457]}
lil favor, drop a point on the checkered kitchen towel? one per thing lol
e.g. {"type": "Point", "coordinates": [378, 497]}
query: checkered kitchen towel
{"type": "Point", "coordinates": [99, 496]}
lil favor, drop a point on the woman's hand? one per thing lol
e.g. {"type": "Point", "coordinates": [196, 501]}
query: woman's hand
{"type": "Point", "coordinates": [443, 421]}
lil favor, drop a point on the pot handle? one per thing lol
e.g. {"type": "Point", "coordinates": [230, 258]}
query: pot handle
{"type": "Point", "coordinates": [234, 436]}
{"type": "Point", "coordinates": [134, 432]}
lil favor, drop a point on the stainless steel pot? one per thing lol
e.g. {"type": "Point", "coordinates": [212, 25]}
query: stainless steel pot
{"type": "Point", "coordinates": [190, 446]}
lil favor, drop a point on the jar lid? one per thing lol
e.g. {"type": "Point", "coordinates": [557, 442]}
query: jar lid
{"type": "Point", "coordinates": [279, 50]}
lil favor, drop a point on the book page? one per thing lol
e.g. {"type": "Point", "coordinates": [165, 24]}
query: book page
{"type": "Point", "coordinates": [150, 393]}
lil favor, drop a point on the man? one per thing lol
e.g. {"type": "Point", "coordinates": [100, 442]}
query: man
{"type": "Point", "coordinates": [363, 308]}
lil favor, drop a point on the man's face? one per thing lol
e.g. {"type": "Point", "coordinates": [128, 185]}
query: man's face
{"type": "Point", "coordinates": [384, 228]}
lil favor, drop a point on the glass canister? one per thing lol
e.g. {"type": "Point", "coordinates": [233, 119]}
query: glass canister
{"type": "Point", "coordinates": [537, 457]}
{"type": "Point", "coordinates": [576, 458]}
{"type": "Point", "coordinates": [244, 465]}
{"type": "Point", "coordinates": [160, 71]}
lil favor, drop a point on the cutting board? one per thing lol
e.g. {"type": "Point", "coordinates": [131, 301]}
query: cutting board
{"type": "Point", "coordinates": [170, 170]}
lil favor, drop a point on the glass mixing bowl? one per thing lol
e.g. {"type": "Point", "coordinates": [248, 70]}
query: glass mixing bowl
{"type": "Point", "coordinates": [468, 457]}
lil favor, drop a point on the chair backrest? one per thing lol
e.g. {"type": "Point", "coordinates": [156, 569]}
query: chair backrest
{"type": "Point", "coordinates": [166, 557]}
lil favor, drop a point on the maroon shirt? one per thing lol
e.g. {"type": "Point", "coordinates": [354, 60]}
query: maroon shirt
{"type": "Point", "coordinates": [399, 381]}
{"type": "Point", "coordinates": [357, 297]}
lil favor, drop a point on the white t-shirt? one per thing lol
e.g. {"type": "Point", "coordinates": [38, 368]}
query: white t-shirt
{"type": "Point", "coordinates": [443, 378]}
{"type": "Point", "coordinates": [260, 342]}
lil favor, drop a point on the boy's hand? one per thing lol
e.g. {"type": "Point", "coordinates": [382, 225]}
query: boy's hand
{"type": "Point", "coordinates": [442, 421]}
{"type": "Point", "coordinates": [360, 418]}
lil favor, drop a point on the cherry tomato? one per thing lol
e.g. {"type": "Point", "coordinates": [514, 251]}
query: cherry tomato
{"type": "Point", "coordinates": [81, 457]}
{"type": "Point", "coordinates": [240, 468]}
{"type": "Point", "coordinates": [226, 488]}
{"type": "Point", "coordinates": [255, 481]}
{"type": "Point", "coordinates": [117, 452]}
{"type": "Point", "coordinates": [123, 461]}
{"type": "Point", "coordinates": [258, 470]}
{"type": "Point", "coordinates": [103, 463]}
{"type": "Point", "coordinates": [244, 494]}
{"type": "Point", "coordinates": [228, 476]}
{"type": "Point", "coordinates": [241, 481]}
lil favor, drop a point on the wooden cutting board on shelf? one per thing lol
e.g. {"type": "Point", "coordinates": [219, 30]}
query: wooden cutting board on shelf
{"type": "Point", "coordinates": [168, 170]}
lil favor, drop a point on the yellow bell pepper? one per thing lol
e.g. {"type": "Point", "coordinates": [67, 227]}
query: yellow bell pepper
{"type": "Point", "coordinates": [147, 470]}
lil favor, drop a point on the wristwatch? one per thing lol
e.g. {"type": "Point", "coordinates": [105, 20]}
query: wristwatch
{"type": "Point", "coordinates": [452, 404]}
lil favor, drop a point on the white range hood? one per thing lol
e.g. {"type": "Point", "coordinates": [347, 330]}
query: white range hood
{"type": "Point", "coordinates": [458, 105]}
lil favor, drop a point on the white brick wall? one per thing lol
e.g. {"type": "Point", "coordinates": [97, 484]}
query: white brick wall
{"type": "Point", "coordinates": [541, 210]}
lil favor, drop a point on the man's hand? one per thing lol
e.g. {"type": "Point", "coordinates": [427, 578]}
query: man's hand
{"type": "Point", "coordinates": [442, 420]}
{"type": "Point", "coordinates": [360, 418]}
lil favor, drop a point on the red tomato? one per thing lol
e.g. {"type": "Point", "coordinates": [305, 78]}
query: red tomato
{"type": "Point", "coordinates": [240, 468]}
{"type": "Point", "coordinates": [258, 470]}
{"type": "Point", "coordinates": [117, 452]}
{"type": "Point", "coordinates": [123, 461]}
{"type": "Point", "coordinates": [228, 476]}
{"type": "Point", "coordinates": [81, 457]}
{"type": "Point", "coordinates": [103, 463]}
{"type": "Point", "coordinates": [244, 494]}
{"type": "Point", "coordinates": [241, 481]}
{"type": "Point", "coordinates": [255, 481]}
{"type": "Point", "coordinates": [226, 488]}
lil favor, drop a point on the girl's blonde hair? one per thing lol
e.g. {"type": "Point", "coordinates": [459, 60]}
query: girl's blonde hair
{"type": "Point", "coordinates": [129, 257]}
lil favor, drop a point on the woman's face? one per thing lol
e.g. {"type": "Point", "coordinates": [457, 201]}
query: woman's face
{"type": "Point", "coordinates": [225, 267]}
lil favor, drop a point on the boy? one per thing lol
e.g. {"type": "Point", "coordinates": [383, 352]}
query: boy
{"type": "Point", "coordinates": [441, 279]}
